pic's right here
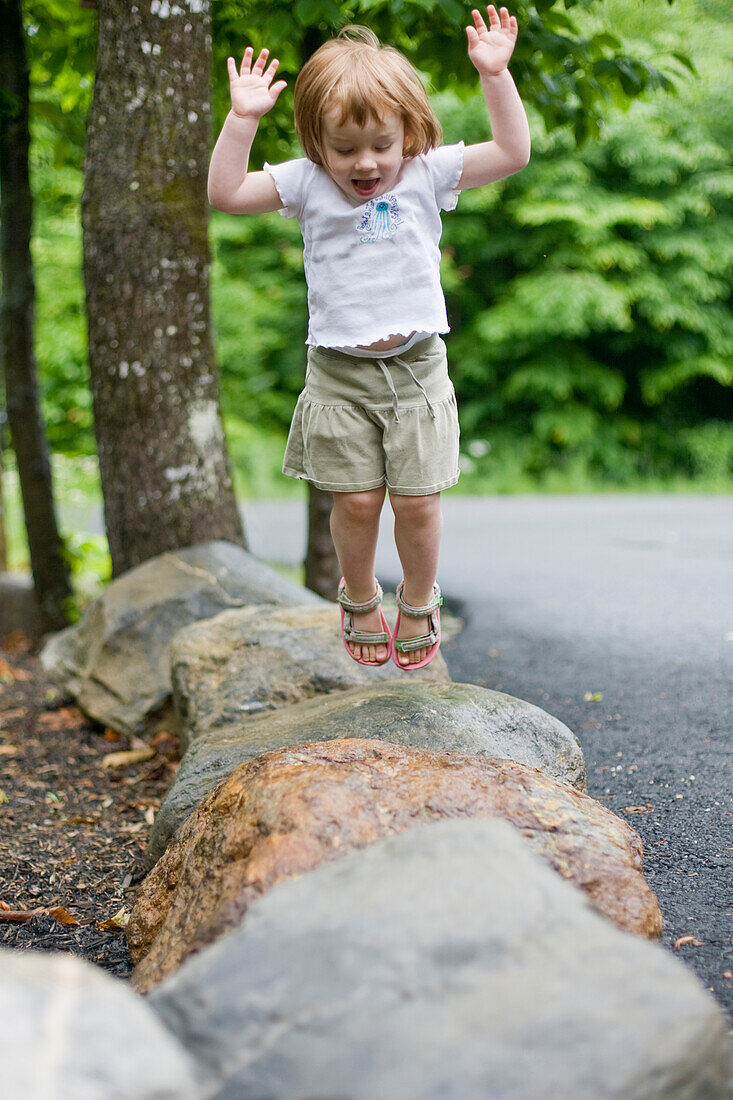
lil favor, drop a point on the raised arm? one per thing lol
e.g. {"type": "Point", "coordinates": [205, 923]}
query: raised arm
{"type": "Point", "coordinates": [490, 48]}
{"type": "Point", "coordinates": [231, 187]}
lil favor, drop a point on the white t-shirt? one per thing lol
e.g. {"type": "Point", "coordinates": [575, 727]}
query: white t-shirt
{"type": "Point", "coordinates": [372, 268]}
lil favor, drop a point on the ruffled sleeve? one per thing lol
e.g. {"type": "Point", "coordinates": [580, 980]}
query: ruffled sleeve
{"type": "Point", "coordinates": [291, 180]}
{"type": "Point", "coordinates": [445, 165]}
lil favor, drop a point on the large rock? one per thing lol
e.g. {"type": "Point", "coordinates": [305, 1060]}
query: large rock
{"type": "Point", "coordinates": [257, 659]}
{"type": "Point", "coordinates": [446, 962]}
{"type": "Point", "coordinates": [423, 715]}
{"type": "Point", "coordinates": [288, 811]}
{"type": "Point", "coordinates": [72, 1032]}
{"type": "Point", "coordinates": [115, 661]}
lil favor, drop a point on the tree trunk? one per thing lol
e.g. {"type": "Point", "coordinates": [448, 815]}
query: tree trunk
{"type": "Point", "coordinates": [50, 571]}
{"type": "Point", "coordinates": [163, 462]}
{"type": "Point", "coordinates": [322, 570]}
{"type": "Point", "coordinates": [3, 534]}
{"type": "Point", "coordinates": [3, 540]}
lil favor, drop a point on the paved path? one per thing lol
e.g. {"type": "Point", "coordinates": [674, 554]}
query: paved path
{"type": "Point", "coordinates": [614, 613]}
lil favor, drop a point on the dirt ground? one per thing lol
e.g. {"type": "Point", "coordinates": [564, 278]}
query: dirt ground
{"type": "Point", "coordinates": [74, 821]}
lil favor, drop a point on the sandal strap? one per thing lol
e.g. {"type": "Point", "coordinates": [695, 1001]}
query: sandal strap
{"type": "Point", "coordinates": [358, 608]}
{"type": "Point", "coordinates": [364, 637]}
{"type": "Point", "coordinates": [406, 645]}
{"type": "Point", "coordinates": [418, 612]}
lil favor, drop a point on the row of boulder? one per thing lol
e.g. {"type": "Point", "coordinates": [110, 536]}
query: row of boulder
{"type": "Point", "coordinates": [363, 883]}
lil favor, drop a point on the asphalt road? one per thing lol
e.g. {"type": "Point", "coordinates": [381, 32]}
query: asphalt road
{"type": "Point", "coordinates": [615, 614]}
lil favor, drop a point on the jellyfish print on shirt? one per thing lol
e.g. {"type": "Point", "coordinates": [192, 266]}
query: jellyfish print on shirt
{"type": "Point", "coordinates": [380, 219]}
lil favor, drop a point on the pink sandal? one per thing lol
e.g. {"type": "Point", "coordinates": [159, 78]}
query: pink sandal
{"type": "Point", "coordinates": [363, 637]}
{"type": "Point", "coordinates": [432, 612]}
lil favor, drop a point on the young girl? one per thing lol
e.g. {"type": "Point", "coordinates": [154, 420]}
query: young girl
{"type": "Point", "coordinates": [378, 409]}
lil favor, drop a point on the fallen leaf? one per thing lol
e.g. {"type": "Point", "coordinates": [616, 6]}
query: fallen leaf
{"type": "Point", "coordinates": [166, 743]}
{"type": "Point", "coordinates": [61, 915]}
{"type": "Point", "coordinates": [638, 809]}
{"type": "Point", "coordinates": [150, 816]}
{"type": "Point", "coordinates": [162, 735]}
{"type": "Point", "coordinates": [63, 718]}
{"type": "Point", "coordinates": [3, 796]}
{"type": "Point", "coordinates": [593, 696]}
{"type": "Point", "coordinates": [19, 916]}
{"type": "Point", "coordinates": [17, 642]}
{"type": "Point", "coordinates": [8, 673]}
{"type": "Point", "coordinates": [687, 939]}
{"type": "Point", "coordinates": [11, 715]}
{"type": "Point", "coordinates": [119, 920]}
{"type": "Point", "coordinates": [727, 974]}
{"type": "Point", "coordinates": [111, 735]}
{"type": "Point", "coordinates": [8, 750]}
{"type": "Point", "coordinates": [131, 756]}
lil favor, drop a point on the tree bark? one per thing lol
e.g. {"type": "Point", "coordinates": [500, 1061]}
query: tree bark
{"type": "Point", "coordinates": [322, 570]}
{"type": "Point", "coordinates": [164, 468]}
{"type": "Point", "coordinates": [3, 540]}
{"type": "Point", "coordinates": [50, 571]}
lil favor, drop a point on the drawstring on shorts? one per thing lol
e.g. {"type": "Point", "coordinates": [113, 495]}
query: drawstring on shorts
{"type": "Point", "coordinates": [390, 382]}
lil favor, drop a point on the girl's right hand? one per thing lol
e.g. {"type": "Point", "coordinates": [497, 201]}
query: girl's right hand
{"type": "Point", "coordinates": [251, 89]}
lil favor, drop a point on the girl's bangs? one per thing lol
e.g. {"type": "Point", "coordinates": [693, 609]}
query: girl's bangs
{"type": "Point", "coordinates": [360, 100]}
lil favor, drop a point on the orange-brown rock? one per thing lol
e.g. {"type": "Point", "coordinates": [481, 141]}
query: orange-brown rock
{"type": "Point", "coordinates": [285, 812]}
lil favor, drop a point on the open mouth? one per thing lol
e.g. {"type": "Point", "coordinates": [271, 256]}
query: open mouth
{"type": "Point", "coordinates": [365, 187]}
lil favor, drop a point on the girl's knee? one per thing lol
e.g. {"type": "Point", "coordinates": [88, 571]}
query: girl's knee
{"type": "Point", "coordinates": [417, 508]}
{"type": "Point", "coordinates": [359, 506]}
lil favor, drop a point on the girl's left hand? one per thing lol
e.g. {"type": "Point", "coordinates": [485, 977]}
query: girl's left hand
{"type": "Point", "coordinates": [490, 48]}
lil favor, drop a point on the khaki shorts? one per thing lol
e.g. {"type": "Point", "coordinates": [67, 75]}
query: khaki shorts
{"type": "Point", "coordinates": [365, 422]}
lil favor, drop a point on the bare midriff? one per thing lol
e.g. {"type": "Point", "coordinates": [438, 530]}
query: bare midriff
{"type": "Point", "coordinates": [393, 341]}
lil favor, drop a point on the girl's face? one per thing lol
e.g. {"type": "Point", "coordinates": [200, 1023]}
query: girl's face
{"type": "Point", "coordinates": [364, 161]}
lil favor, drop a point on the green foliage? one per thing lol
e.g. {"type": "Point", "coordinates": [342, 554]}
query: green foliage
{"type": "Point", "coordinates": [566, 73]}
{"type": "Point", "coordinates": [257, 455]}
{"type": "Point", "coordinates": [61, 37]}
{"type": "Point", "coordinates": [593, 300]}
{"type": "Point", "coordinates": [61, 338]}
{"type": "Point", "coordinates": [259, 311]}
{"type": "Point", "coordinates": [91, 569]}
{"type": "Point", "coordinates": [78, 499]}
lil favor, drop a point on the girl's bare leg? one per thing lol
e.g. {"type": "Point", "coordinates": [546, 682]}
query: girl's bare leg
{"type": "Point", "coordinates": [417, 530]}
{"type": "Point", "coordinates": [354, 529]}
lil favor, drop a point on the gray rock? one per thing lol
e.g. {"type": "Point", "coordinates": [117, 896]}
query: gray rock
{"type": "Point", "coordinates": [19, 606]}
{"type": "Point", "coordinates": [115, 661]}
{"type": "Point", "coordinates": [422, 715]}
{"type": "Point", "coordinates": [72, 1032]}
{"type": "Point", "coordinates": [446, 962]}
{"type": "Point", "coordinates": [256, 659]}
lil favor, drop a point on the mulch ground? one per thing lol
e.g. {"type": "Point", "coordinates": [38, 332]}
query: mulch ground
{"type": "Point", "coordinates": [74, 818]}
